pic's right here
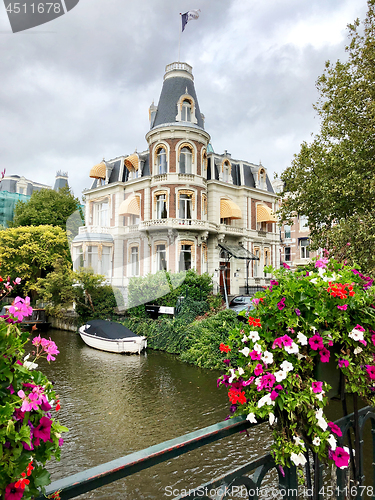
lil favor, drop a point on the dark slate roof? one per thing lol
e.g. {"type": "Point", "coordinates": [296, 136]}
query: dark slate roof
{"type": "Point", "coordinates": [173, 89]}
{"type": "Point", "coordinates": [269, 185]}
{"type": "Point", "coordinates": [114, 177]}
{"type": "Point", "coordinates": [60, 182]}
{"type": "Point", "coordinates": [236, 177]}
{"type": "Point", "coordinates": [146, 166]}
{"type": "Point", "coordinates": [248, 176]}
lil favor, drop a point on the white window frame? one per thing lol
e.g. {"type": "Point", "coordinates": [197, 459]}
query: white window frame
{"type": "Point", "coordinates": [134, 261]}
{"type": "Point", "coordinates": [188, 160]}
{"type": "Point", "coordinates": [162, 165]}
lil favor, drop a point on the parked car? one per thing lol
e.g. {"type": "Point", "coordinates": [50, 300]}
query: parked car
{"type": "Point", "coordinates": [241, 303]}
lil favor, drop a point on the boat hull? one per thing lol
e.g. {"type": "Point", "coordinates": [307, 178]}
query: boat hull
{"type": "Point", "coordinates": [130, 345]}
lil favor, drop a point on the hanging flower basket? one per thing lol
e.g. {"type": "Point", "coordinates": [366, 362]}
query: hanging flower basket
{"type": "Point", "coordinates": [308, 326]}
{"type": "Point", "coordinates": [29, 432]}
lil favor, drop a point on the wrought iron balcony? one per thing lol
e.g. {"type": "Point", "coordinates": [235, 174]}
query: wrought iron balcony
{"type": "Point", "coordinates": [237, 480]}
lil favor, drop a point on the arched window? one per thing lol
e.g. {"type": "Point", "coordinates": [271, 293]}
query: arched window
{"type": "Point", "coordinates": [186, 157]}
{"type": "Point", "coordinates": [186, 111]}
{"type": "Point", "coordinates": [226, 173]}
{"type": "Point", "coordinates": [162, 161]}
{"type": "Point", "coordinates": [262, 179]}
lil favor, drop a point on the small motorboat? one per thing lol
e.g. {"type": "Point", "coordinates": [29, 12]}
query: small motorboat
{"type": "Point", "coordinates": [111, 337]}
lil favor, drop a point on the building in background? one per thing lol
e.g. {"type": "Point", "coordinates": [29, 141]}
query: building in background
{"type": "Point", "coordinates": [294, 238]}
{"type": "Point", "coordinates": [179, 204]}
{"type": "Point", "coordinates": [14, 188]}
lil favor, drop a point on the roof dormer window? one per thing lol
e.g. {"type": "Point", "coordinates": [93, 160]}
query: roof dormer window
{"type": "Point", "coordinates": [186, 111]}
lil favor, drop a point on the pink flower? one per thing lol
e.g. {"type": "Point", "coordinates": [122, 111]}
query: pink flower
{"type": "Point", "coordinates": [258, 369]}
{"type": "Point", "coordinates": [43, 431]}
{"type": "Point", "coordinates": [255, 301]}
{"type": "Point", "coordinates": [370, 371]}
{"type": "Point", "coordinates": [285, 341]}
{"type": "Point", "coordinates": [316, 342]}
{"type": "Point", "coordinates": [363, 341]}
{"type": "Point", "coordinates": [341, 457]}
{"type": "Point", "coordinates": [335, 429]}
{"type": "Point", "coordinates": [13, 493]}
{"type": "Point", "coordinates": [324, 355]}
{"type": "Point", "coordinates": [255, 355]}
{"type": "Point", "coordinates": [317, 387]}
{"type": "Point", "coordinates": [373, 338]}
{"type": "Point", "coordinates": [266, 382]}
{"type": "Point", "coordinates": [286, 266]}
{"type": "Point", "coordinates": [343, 362]}
{"type": "Point", "coordinates": [281, 304]}
{"type": "Point", "coordinates": [29, 402]}
{"type": "Point", "coordinates": [360, 328]}
{"type": "Point", "coordinates": [343, 308]}
{"type": "Point", "coordinates": [17, 281]}
{"type": "Point", "coordinates": [50, 348]}
{"type": "Point", "coordinates": [321, 262]}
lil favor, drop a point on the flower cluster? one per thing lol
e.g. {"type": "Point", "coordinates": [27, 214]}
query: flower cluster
{"type": "Point", "coordinates": [29, 433]}
{"type": "Point", "coordinates": [273, 362]}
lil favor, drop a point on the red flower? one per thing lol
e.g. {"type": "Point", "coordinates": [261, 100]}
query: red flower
{"type": "Point", "coordinates": [242, 398]}
{"type": "Point", "coordinates": [223, 348]}
{"type": "Point", "coordinates": [58, 405]}
{"type": "Point", "coordinates": [236, 396]}
{"type": "Point", "coordinates": [21, 483]}
{"type": "Point", "coordinates": [29, 469]}
{"type": "Point", "coordinates": [254, 321]}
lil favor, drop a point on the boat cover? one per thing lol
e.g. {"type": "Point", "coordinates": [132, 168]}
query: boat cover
{"type": "Point", "coordinates": [108, 329]}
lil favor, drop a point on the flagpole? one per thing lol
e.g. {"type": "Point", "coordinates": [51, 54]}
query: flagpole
{"type": "Point", "coordinates": [179, 39]}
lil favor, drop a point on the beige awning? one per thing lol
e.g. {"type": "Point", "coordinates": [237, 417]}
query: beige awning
{"type": "Point", "coordinates": [130, 206]}
{"type": "Point", "coordinates": [132, 161]}
{"type": "Point", "coordinates": [229, 210]}
{"type": "Point", "coordinates": [265, 214]}
{"type": "Point", "coordinates": [98, 171]}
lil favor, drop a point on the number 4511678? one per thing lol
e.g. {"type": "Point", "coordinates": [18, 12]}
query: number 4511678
{"type": "Point", "coordinates": [34, 8]}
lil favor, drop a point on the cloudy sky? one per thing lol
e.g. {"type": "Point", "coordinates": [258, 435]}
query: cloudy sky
{"type": "Point", "coordinates": [77, 89]}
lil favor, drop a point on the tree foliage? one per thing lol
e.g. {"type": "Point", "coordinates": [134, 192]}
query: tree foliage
{"type": "Point", "coordinates": [332, 179]}
{"type": "Point", "coordinates": [31, 253]}
{"type": "Point", "coordinates": [47, 206]}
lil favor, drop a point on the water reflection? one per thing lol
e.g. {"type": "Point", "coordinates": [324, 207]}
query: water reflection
{"type": "Point", "coordinates": [115, 405]}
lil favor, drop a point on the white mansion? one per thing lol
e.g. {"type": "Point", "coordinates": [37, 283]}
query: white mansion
{"type": "Point", "coordinates": [178, 204]}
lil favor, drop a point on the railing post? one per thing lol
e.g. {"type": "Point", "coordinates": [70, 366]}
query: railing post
{"type": "Point", "coordinates": [289, 483]}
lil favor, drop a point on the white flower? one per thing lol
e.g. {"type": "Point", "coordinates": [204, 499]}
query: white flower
{"type": "Point", "coordinates": [321, 271]}
{"type": "Point", "coordinates": [257, 348]}
{"type": "Point", "coordinates": [257, 381]}
{"type": "Point", "coordinates": [233, 376]}
{"type": "Point", "coordinates": [267, 357]}
{"type": "Point", "coordinates": [320, 396]}
{"type": "Point", "coordinates": [298, 459]}
{"type": "Point", "coordinates": [298, 441]}
{"type": "Point", "coordinates": [254, 336]}
{"type": "Point", "coordinates": [321, 421]}
{"type": "Point", "coordinates": [292, 349]}
{"type": "Point", "coordinates": [271, 418]}
{"type": "Point", "coordinates": [300, 356]}
{"type": "Point", "coordinates": [319, 413]}
{"type": "Point", "coordinates": [356, 334]}
{"type": "Point", "coordinates": [286, 366]}
{"type": "Point", "coordinates": [241, 371]}
{"type": "Point", "coordinates": [28, 364]}
{"type": "Point", "coordinates": [357, 350]}
{"type": "Point", "coordinates": [302, 339]}
{"type": "Point", "coordinates": [332, 441]}
{"type": "Point", "coordinates": [280, 375]}
{"type": "Point", "coordinates": [245, 351]}
{"type": "Point", "coordinates": [265, 400]}
{"type": "Point", "coordinates": [316, 441]}
{"type": "Point", "coordinates": [251, 418]}
{"type": "Point", "coordinates": [244, 338]}
{"type": "Point", "coordinates": [314, 280]}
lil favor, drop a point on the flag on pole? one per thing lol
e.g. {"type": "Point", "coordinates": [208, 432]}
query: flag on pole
{"type": "Point", "coordinates": [189, 16]}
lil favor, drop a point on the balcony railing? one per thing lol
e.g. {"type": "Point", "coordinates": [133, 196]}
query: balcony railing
{"type": "Point", "coordinates": [93, 229]}
{"type": "Point", "coordinates": [109, 472]}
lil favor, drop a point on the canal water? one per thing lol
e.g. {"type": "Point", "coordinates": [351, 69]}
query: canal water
{"type": "Point", "coordinates": [114, 405]}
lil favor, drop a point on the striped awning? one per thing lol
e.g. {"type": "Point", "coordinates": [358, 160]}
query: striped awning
{"type": "Point", "coordinates": [98, 171]}
{"type": "Point", "coordinates": [130, 206]}
{"type": "Point", "coordinates": [132, 161]}
{"type": "Point", "coordinates": [229, 210]}
{"type": "Point", "coordinates": [265, 214]}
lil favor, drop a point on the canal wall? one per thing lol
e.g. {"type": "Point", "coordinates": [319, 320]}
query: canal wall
{"type": "Point", "coordinates": [68, 321]}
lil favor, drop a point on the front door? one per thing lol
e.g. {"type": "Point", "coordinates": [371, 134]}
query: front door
{"type": "Point", "coordinates": [226, 273]}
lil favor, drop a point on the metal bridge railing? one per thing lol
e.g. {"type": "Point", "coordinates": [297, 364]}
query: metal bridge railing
{"type": "Point", "coordinates": [88, 480]}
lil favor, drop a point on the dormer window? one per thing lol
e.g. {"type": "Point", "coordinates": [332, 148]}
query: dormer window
{"type": "Point", "coordinates": [186, 157]}
{"type": "Point", "coordinates": [162, 161]}
{"type": "Point", "coordinates": [262, 179]}
{"type": "Point", "coordinates": [186, 111]}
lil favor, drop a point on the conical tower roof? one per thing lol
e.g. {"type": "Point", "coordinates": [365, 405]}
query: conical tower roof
{"type": "Point", "coordinates": [178, 82]}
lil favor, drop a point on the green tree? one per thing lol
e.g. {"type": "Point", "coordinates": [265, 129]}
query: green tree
{"type": "Point", "coordinates": [31, 253]}
{"type": "Point", "coordinates": [332, 179]}
{"type": "Point", "coordinates": [47, 207]}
